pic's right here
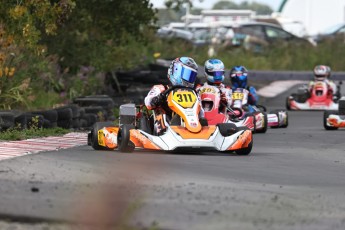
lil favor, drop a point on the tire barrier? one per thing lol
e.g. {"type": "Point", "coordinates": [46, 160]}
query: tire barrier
{"type": "Point", "coordinates": [82, 114]}
{"type": "Point", "coordinates": [7, 120]}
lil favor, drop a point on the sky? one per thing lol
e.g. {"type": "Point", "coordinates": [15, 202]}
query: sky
{"type": "Point", "coordinates": [207, 4]}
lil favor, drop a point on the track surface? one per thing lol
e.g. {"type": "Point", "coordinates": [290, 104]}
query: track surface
{"type": "Point", "coordinates": [293, 179]}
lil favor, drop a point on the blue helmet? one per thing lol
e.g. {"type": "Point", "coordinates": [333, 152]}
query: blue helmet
{"type": "Point", "coordinates": [238, 77]}
{"type": "Point", "coordinates": [183, 71]}
{"type": "Point", "coordinates": [214, 71]}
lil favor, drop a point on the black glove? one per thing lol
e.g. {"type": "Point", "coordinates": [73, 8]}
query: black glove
{"type": "Point", "coordinates": [158, 100]}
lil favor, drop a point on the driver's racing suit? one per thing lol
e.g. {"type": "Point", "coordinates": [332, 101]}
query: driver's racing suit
{"type": "Point", "coordinates": [157, 102]}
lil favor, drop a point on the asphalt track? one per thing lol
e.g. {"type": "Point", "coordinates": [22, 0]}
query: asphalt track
{"type": "Point", "coordinates": [293, 179]}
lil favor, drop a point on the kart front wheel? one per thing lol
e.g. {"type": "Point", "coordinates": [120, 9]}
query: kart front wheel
{"type": "Point", "coordinates": [325, 116]}
{"type": "Point", "coordinates": [245, 151]}
{"type": "Point", "coordinates": [123, 139]}
{"type": "Point", "coordinates": [93, 136]}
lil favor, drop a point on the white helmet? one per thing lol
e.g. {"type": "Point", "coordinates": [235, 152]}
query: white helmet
{"type": "Point", "coordinates": [214, 71]}
{"type": "Point", "coordinates": [321, 72]}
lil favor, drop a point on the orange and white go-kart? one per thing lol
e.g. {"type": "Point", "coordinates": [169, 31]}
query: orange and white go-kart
{"type": "Point", "coordinates": [184, 131]}
{"type": "Point", "coordinates": [334, 119]}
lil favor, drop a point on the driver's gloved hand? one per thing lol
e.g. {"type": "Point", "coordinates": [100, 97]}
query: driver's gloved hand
{"type": "Point", "coordinates": [158, 100]}
{"type": "Point", "coordinates": [223, 99]}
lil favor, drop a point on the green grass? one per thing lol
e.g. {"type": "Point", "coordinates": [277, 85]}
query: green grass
{"type": "Point", "coordinates": [15, 134]}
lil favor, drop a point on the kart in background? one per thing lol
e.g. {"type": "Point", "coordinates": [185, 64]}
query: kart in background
{"type": "Point", "coordinates": [211, 103]}
{"type": "Point", "coordinates": [318, 99]}
{"type": "Point", "coordinates": [185, 131]}
{"type": "Point", "coordinates": [262, 119]}
{"type": "Point", "coordinates": [334, 119]}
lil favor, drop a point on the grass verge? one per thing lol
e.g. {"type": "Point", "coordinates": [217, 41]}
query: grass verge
{"type": "Point", "coordinates": [15, 134]}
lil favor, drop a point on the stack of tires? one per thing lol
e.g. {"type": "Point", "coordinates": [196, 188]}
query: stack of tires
{"type": "Point", "coordinates": [83, 113]}
{"type": "Point", "coordinates": [96, 108]}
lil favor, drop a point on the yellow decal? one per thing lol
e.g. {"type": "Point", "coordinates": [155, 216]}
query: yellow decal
{"type": "Point", "coordinates": [186, 99]}
{"type": "Point", "coordinates": [207, 90]}
{"type": "Point", "coordinates": [101, 138]}
{"type": "Point", "coordinates": [237, 96]}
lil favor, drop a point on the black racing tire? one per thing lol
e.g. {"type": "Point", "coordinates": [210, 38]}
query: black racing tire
{"type": "Point", "coordinates": [34, 121]}
{"type": "Point", "coordinates": [7, 120]}
{"type": "Point", "coordinates": [90, 119]}
{"type": "Point", "coordinates": [264, 130]}
{"type": "Point", "coordinates": [65, 124]}
{"type": "Point", "coordinates": [245, 151]}
{"type": "Point", "coordinates": [75, 110]}
{"type": "Point", "coordinates": [94, 135]}
{"type": "Point", "coordinates": [46, 123]}
{"type": "Point", "coordinates": [95, 100]}
{"type": "Point", "coordinates": [51, 115]}
{"type": "Point", "coordinates": [83, 123]}
{"type": "Point", "coordinates": [287, 121]}
{"type": "Point", "coordinates": [326, 114]}
{"type": "Point", "coordinates": [20, 121]}
{"type": "Point", "coordinates": [64, 113]}
{"type": "Point", "coordinates": [227, 129]}
{"type": "Point", "coordinates": [287, 103]}
{"type": "Point", "coordinates": [123, 139]}
{"type": "Point", "coordinates": [99, 111]}
{"type": "Point", "coordinates": [76, 123]}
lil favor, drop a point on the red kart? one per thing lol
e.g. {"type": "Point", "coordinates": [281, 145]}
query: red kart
{"type": "Point", "coordinates": [320, 98]}
{"type": "Point", "coordinates": [210, 100]}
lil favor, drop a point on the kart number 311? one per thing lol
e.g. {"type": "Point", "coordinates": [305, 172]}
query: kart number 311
{"type": "Point", "coordinates": [184, 99]}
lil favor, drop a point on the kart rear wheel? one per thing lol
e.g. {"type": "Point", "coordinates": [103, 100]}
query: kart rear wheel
{"type": "Point", "coordinates": [93, 136]}
{"type": "Point", "coordinates": [245, 151]}
{"type": "Point", "coordinates": [123, 139]}
{"type": "Point", "coordinates": [287, 120]}
{"type": "Point", "coordinates": [264, 129]}
{"type": "Point", "coordinates": [287, 105]}
{"type": "Point", "coordinates": [325, 116]}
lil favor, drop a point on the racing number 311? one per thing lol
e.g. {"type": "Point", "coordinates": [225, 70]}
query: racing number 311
{"type": "Point", "coordinates": [185, 99]}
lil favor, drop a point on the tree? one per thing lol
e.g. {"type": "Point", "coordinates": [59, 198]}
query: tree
{"type": "Point", "coordinates": [96, 35]}
{"type": "Point", "coordinates": [22, 55]}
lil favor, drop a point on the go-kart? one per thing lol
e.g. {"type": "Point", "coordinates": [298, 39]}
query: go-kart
{"type": "Point", "coordinates": [184, 131]}
{"type": "Point", "coordinates": [262, 119]}
{"type": "Point", "coordinates": [334, 119]}
{"type": "Point", "coordinates": [318, 99]}
{"type": "Point", "coordinates": [211, 104]}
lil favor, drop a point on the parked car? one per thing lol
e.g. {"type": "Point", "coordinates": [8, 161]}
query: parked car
{"type": "Point", "coordinates": [252, 35]}
{"type": "Point", "coordinates": [332, 32]}
{"type": "Point", "coordinates": [259, 34]}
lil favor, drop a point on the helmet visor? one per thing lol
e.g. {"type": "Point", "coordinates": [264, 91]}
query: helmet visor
{"type": "Point", "coordinates": [217, 75]}
{"type": "Point", "coordinates": [238, 74]}
{"type": "Point", "coordinates": [187, 74]}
